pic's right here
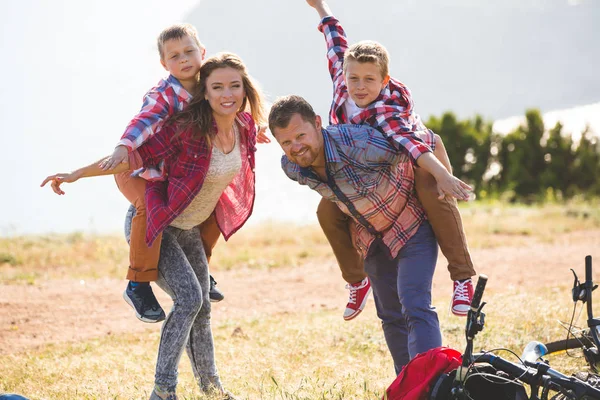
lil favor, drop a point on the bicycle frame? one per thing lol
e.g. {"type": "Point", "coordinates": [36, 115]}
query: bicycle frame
{"type": "Point", "coordinates": [538, 375]}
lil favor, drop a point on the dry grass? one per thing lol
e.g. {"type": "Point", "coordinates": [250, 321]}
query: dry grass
{"type": "Point", "coordinates": [305, 355]}
{"type": "Point", "coordinates": [28, 259]}
{"type": "Point", "coordinates": [494, 224]}
{"type": "Point", "coordinates": [309, 354]}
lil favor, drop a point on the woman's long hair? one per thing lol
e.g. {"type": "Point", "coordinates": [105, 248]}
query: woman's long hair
{"type": "Point", "coordinates": [198, 116]}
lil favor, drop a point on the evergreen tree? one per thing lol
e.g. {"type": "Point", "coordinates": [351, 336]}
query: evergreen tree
{"type": "Point", "coordinates": [586, 166]}
{"type": "Point", "coordinates": [559, 158]}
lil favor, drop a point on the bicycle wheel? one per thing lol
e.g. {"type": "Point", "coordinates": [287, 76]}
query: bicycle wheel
{"type": "Point", "coordinates": [584, 340]}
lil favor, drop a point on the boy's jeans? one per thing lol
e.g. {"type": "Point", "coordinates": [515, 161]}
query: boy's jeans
{"type": "Point", "coordinates": [402, 292]}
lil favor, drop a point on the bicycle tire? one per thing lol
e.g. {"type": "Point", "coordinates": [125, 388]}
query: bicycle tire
{"type": "Point", "coordinates": [570, 344]}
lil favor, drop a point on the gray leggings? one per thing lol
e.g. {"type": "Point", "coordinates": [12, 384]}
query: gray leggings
{"type": "Point", "coordinates": [183, 274]}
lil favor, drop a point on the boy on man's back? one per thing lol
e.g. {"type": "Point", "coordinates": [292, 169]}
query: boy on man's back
{"type": "Point", "coordinates": [364, 93]}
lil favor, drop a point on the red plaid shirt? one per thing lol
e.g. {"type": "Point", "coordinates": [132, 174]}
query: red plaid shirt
{"type": "Point", "coordinates": [186, 162]}
{"type": "Point", "coordinates": [392, 113]}
{"type": "Point", "coordinates": [162, 101]}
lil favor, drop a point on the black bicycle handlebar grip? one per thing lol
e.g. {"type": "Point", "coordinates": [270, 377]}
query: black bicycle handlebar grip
{"type": "Point", "coordinates": [478, 292]}
{"type": "Point", "coordinates": [588, 268]}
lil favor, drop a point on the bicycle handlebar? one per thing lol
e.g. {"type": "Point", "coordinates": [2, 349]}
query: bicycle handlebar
{"type": "Point", "coordinates": [531, 375]}
{"type": "Point", "coordinates": [479, 289]}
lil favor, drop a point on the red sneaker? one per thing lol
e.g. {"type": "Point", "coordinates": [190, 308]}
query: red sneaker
{"type": "Point", "coordinates": [359, 292]}
{"type": "Point", "coordinates": [462, 297]}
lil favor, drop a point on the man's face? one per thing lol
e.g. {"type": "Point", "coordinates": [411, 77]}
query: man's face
{"type": "Point", "coordinates": [302, 141]}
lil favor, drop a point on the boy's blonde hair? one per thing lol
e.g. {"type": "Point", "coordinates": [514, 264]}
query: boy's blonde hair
{"type": "Point", "coordinates": [177, 31]}
{"type": "Point", "coordinates": [369, 51]}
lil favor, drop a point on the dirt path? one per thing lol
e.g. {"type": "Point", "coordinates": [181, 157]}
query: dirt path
{"type": "Point", "coordinates": [68, 310]}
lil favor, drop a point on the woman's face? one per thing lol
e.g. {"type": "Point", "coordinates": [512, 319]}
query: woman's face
{"type": "Point", "coordinates": [225, 91]}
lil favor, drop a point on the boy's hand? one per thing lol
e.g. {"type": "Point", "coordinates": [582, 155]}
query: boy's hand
{"type": "Point", "coordinates": [313, 3]}
{"type": "Point", "coordinates": [321, 7]}
{"type": "Point", "coordinates": [58, 179]}
{"type": "Point", "coordinates": [118, 156]}
{"type": "Point", "coordinates": [261, 136]}
{"type": "Point", "coordinates": [451, 186]}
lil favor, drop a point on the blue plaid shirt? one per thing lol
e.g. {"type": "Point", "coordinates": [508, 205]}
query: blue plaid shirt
{"type": "Point", "coordinates": [370, 180]}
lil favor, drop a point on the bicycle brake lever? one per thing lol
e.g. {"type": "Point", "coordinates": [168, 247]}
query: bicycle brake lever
{"type": "Point", "coordinates": [578, 291]}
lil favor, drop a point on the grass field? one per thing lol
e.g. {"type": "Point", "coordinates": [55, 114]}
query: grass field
{"type": "Point", "coordinates": [26, 259]}
{"type": "Point", "coordinates": [310, 353]}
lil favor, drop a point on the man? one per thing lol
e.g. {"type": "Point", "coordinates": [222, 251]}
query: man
{"type": "Point", "coordinates": [372, 182]}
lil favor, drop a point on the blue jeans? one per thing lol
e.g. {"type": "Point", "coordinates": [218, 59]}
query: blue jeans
{"type": "Point", "coordinates": [402, 293]}
{"type": "Point", "coordinates": [183, 275]}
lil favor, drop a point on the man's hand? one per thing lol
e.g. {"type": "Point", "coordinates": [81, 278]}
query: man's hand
{"type": "Point", "coordinates": [118, 156]}
{"type": "Point", "coordinates": [261, 136]}
{"type": "Point", "coordinates": [451, 186]}
{"type": "Point", "coordinates": [58, 179]}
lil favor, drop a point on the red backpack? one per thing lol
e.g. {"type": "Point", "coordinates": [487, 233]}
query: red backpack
{"type": "Point", "coordinates": [416, 378]}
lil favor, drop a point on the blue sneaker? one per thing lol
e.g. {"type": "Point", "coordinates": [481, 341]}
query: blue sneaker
{"type": "Point", "coordinates": [214, 293]}
{"type": "Point", "coordinates": [142, 299]}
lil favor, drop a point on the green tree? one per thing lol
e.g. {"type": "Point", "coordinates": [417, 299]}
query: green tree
{"type": "Point", "coordinates": [559, 157]}
{"type": "Point", "coordinates": [586, 165]}
{"type": "Point", "coordinates": [468, 145]}
{"type": "Point", "coordinates": [522, 158]}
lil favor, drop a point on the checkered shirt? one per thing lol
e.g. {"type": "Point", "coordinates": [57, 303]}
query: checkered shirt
{"type": "Point", "coordinates": [186, 164]}
{"type": "Point", "coordinates": [162, 101]}
{"type": "Point", "coordinates": [392, 113]}
{"type": "Point", "coordinates": [371, 181]}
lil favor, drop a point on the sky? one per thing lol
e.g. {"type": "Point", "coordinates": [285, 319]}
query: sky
{"type": "Point", "coordinates": [75, 73]}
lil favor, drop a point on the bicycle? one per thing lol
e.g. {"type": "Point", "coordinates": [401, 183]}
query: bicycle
{"type": "Point", "coordinates": [588, 339]}
{"type": "Point", "coordinates": [488, 376]}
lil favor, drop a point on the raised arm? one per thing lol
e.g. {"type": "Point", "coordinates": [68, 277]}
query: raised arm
{"type": "Point", "coordinates": [335, 38]}
{"type": "Point", "coordinates": [321, 6]}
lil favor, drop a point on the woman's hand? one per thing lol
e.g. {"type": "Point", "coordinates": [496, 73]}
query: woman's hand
{"type": "Point", "coordinates": [261, 136]}
{"type": "Point", "coordinates": [58, 179]}
{"type": "Point", "coordinates": [118, 156]}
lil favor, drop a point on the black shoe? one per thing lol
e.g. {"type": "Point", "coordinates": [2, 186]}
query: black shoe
{"type": "Point", "coordinates": [142, 299]}
{"type": "Point", "coordinates": [214, 293]}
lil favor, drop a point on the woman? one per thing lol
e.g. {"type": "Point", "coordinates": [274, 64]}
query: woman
{"type": "Point", "coordinates": [208, 150]}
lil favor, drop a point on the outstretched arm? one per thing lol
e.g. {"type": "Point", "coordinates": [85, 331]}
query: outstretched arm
{"type": "Point", "coordinates": [158, 147]}
{"type": "Point", "coordinates": [382, 150]}
{"type": "Point", "coordinates": [448, 184]}
{"type": "Point", "coordinates": [321, 6]}
{"type": "Point", "coordinates": [93, 169]}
